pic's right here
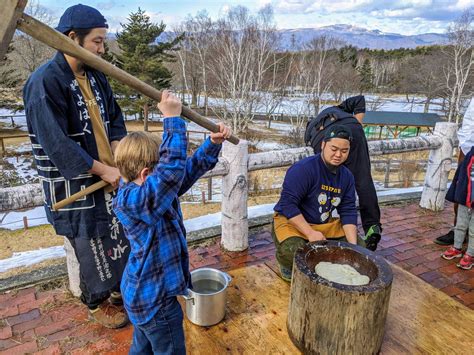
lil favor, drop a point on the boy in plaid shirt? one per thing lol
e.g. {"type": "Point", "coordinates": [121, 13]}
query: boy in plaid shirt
{"type": "Point", "coordinates": [148, 207]}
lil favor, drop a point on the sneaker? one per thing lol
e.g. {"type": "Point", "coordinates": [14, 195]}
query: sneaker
{"type": "Point", "coordinates": [447, 239]}
{"type": "Point", "coordinates": [109, 316]}
{"type": "Point", "coordinates": [451, 253]}
{"type": "Point", "coordinates": [285, 273]}
{"type": "Point", "coordinates": [116, 298]}
{"type": "Point", "coordinates": [466, 262]}
{"type": "Point", "coordinates": [373, 236]}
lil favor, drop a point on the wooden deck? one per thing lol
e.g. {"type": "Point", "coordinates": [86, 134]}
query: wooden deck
{"type": "Point", "coordinates": [420, 320]}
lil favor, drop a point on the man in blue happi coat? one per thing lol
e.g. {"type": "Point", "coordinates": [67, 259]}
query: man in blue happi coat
{"type": "Point", "coordinates": [75, 124]}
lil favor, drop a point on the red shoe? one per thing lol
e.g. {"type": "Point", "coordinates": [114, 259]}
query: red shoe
{"type": "Point", "coordinates": [466, 262]}
{"type": "Point", "coordinates": [451, 253]}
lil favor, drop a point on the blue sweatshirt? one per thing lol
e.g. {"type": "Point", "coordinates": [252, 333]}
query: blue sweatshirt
{"type": "Point", "coordinates": [312, 190]}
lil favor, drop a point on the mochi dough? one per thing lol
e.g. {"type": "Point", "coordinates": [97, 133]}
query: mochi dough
{"type": "Point", "coordinates": [341, 273]}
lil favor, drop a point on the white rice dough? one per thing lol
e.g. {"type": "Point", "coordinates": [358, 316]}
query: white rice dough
{"type": "Point", "coordinates": [341, 273]}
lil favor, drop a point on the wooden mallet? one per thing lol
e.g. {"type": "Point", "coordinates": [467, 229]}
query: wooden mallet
{"type": "Point", "coordinates": [12, 18]}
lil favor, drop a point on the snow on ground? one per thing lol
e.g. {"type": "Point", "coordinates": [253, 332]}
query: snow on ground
{"type": "Point", "coordinates": [22, 167]}
{"type": "Point", "coordinates": [13, 220]}
{"type": "Point", "coordinates": [20, 121]}
{"type": "Point", "coordinates": [35, 256]}
{"type": "Point", "coordinates": [27, 258]}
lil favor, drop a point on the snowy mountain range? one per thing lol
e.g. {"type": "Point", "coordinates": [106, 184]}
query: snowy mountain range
{"type": "Point", "coordinates": [360, 37]}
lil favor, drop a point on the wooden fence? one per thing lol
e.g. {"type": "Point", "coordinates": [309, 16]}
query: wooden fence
{"type": "Point", "coordinates": [4, 138]}
{"type": "Point", "coordinates": [236, 162]}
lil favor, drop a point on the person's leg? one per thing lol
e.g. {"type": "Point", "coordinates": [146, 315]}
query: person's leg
{"type": "Point", "coordinates": [285, 252]}
{"type": "Point", "coordinates": [358, 163]}
{"type": "Point", "coordinates": [166, 333]}
{"type": "Point", "coordinates": [462, 225]}
{"type": "Point", "coordinates": [448, 238]}
{"type": "Point", "coordinates": [90, 299]}
{"type": "Point", "coordinates": [100, 310]}
{"type": "Point", "coordinates": [470, 243]}
{"type": "Point", "coordinates": [467, 261]}
{"type": "Point", "coordinates": [140, 343]}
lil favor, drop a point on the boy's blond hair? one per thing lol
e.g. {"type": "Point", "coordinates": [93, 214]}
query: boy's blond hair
{"type": "Point", "coordinates": [135, 152]}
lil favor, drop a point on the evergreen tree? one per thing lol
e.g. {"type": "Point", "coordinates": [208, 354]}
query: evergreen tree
{"type": "Point", "coordinates": [144, 57]}
{"type": "Point", "coordinates": [366, 76]}
{"type": "Point", "coordinates": [9, 75]}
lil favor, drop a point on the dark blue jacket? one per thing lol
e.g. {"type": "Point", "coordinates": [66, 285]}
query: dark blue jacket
{"type": "Point", "coordinates": [315, 192]}
{"type": "Point", "coordinates": [461, 190]}
{"type": "Point", "coordinates": [64, 145]}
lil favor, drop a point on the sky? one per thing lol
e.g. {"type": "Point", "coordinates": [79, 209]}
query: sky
{"type": "Point", "coordinates": [408, 17]}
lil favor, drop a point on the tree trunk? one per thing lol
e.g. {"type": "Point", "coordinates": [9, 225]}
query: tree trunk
{"type": "Point", "coordinates": [427, 105]}
{"type": "Point", "coordinates": [145, 117]}
{"type": "Point", "coordinates": [325, 317]}
{"type": "Point", "coordinates": [24, 196]}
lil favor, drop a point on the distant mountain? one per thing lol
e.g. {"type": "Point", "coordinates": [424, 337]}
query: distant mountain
{"type": "Point", "coordinates": [360, 37]}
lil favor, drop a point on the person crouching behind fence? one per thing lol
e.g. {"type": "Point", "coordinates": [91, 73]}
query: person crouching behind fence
{"type": "Point", "coordinates": [153, 177]}
{"type": "Point", "coordinates": [313, 189]}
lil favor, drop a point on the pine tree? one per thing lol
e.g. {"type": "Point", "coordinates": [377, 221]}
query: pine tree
{"type": "Point", "coordinates": [366, 76]}
{"type": "Point", "coordinates": [143, 57]}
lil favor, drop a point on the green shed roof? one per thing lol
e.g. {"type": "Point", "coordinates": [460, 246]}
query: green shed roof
{"type": "Point", "coordinates": [392, 118]}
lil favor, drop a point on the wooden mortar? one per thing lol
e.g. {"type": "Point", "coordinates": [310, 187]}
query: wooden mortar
{"type": "Point", "coordinates": [326, 317]}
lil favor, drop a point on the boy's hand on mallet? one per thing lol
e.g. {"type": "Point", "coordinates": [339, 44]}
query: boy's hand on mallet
{"type": "Point", "coordinates": [170, 105]}
{"type": "Point", "coordinates": [223, 134]}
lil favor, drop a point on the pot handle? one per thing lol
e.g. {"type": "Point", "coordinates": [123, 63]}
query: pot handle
{"type": "Point", "coordinates": [228, 277]}
{"type": "Point", "coordinates": [187, 298]}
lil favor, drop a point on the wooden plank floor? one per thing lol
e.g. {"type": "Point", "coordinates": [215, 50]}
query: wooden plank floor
{"type": "Point", "coordinates": [421, 319]}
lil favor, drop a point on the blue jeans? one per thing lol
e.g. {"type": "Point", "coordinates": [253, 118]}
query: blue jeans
{"type": "Point", "coordinates": [164, 334]}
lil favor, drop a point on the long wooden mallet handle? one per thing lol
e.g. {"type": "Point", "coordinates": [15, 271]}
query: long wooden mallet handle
{"type": "Point", "coordinates": [62, 43]}
{"type": "Point", "coordinates": [97, 186]}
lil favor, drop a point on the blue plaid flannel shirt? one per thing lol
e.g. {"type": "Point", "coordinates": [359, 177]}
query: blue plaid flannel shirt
{"type": "Point", "coordinates": [158, 265]}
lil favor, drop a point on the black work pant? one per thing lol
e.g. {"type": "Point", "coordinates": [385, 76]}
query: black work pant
{"type": "Point", "coordinates": [358, 163]}
{"type": "Point", "coordinates": [89, 297]}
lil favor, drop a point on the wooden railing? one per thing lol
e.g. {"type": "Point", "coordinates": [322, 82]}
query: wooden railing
{"type": "Point", "coordinates": [4, 138]}
{"type": "Point", "coordinates": [235, 164]}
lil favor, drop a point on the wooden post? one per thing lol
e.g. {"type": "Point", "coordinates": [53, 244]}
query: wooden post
{"type": "Point", "coordinates": [234, 197]}
{"type": "Point", "coordinates": [387, 173]}
{"type": "Point", "coordinates": [209, 189]}
{"type": "Point", "coordinates": [72, 268]}
{"type": "Point", "coordinates": [203, 197]}
{"type": "Point", "coordinates": [25, 222]}
{"type": "Point", "coordinates": [439, 166]}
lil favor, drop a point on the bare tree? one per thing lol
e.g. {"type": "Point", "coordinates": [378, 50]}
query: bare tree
{"type": "Point", "coordinates": [460, 53]}
{"type": "Point", "coordinates": [200, 30]}
{"type": "Point", "coordinates": [345, 81]}
{"type": "Point", "coordinates": [28, 53]}
{"type": "Point", "coordinates": [240, 56]}
{"type": "Point", "coordinates": [421, 75]}
{"type": "Point", "coordinates": [319, 52]}
{"type": "Point", "coordinates": [299, 107]}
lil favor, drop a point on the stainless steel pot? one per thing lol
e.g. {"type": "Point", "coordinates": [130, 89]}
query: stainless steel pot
{"type": "Point", "coordinates": [205, 303]}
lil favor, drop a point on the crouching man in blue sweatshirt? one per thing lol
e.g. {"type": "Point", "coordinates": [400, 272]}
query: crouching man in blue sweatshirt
{"type": "Point", "coordinates": [317, 201]}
